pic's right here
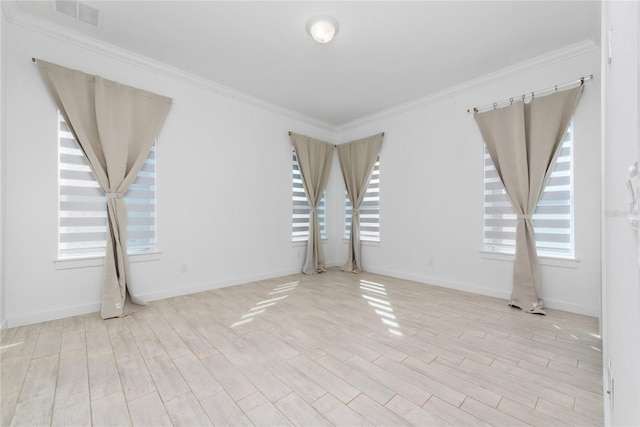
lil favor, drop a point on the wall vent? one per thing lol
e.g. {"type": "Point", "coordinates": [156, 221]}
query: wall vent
{"type": "Point", "coordinates": [78, 10]}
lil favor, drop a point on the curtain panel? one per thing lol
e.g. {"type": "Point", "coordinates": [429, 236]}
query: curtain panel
{"type": "Point", "coordinates": [314, 158]}
{"type": "Point", "coordinates": [115, 126]}
{"type": "Point", "coordinates": [357, 160]}
{"type": "Point", "coordinates": [523, 141]}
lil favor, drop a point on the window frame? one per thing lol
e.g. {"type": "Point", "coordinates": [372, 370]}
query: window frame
{"type": "Point", "coordinates": [373, 191]}
{"type": "Point", "coordinates": [507, 251]}
{"type": "Point", "coordinates": [299, 203]}
{"type": "Point", "coordinates": [68, 257]}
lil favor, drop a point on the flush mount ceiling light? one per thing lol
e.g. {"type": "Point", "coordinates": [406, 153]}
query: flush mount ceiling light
{"type": "Point", "coordinates": [322, 28]}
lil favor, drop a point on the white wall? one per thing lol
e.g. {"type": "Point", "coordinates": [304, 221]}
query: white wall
{"type": "Point", "coordinates": [224, 186]}
{"type": "Point", "coordinates": [229, 227]}
{"type": "Point", "coordinates": [431, 168]}
{"type": "Point", "coordinates": [3, 25]}
{"type": "Point", "coordinates": [621, 278]}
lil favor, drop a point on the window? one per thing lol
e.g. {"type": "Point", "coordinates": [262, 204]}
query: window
{"type": "Point", "coordinates": [82, 223]}
{"type": "Point", "coordinates": [553, 218]}
{"type": "Point", "coordinates": [300, 213]}
{"type": "Point", "coordinates": [369, 209]}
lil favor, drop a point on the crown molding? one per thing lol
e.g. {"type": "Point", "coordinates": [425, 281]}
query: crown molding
{"type": "Point", "coordinates": [549, 58]}
{"type": "Point", "coordinates": [10, 9]}
{"type": "Point", "coordinates": [15, 16]}
{"type": "Point", "coordinates": [22, 19]}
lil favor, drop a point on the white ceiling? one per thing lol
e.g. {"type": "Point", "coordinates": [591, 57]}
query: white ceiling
{"type": "Point", "coordinates": [386, 53]}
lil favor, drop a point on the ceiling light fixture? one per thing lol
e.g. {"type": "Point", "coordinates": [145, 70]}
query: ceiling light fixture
{"type": "Point", "coordinates": [322, 28]}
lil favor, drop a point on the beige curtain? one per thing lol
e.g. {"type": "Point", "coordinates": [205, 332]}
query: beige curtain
{"type": "Point", "coordinates": [116, 126]}
{"type": "Point", "coordinates": [357, 159]}
{"type": "Point", "coordinates": [523, 141]}
{"type": "Point", "coordinates": [314, 159]}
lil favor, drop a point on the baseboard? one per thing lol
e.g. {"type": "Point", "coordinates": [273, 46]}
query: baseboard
{"type": "Point", "coordinates": [3, 327]}
{"type": "Point", "coordinates": [442, 283]}
{"type": "Point", "coordinates": [45, 316]}
{"type": "Point", "coordinates": [208, 286]}
{"type": "Point", "coordinates": [154, 296]}
{"type": "Point", "coordinates": [572, 308]}
{"type": "Point", "coordinates": [556, 305]}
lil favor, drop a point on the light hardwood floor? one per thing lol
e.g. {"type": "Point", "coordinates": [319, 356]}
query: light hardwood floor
{"type": "Point", "coordinates": [331, 349]}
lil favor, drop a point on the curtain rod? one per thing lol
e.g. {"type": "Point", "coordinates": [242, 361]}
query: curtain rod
{"type": "Point", "coordinates": [333, 144]}
{"type": "Point", "coordinates": [581, 80]}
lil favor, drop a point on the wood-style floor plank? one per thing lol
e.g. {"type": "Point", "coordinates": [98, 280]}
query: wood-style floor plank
{"type": "Point", "coordinates": [72, 411]}
{"type": "Point", "coordinates": [110, 410]}
{"type": "Point", "coordinates": [149, 410]}
{"type": "Point", "coordinates": [262, 412]}
{"type": "Point", "coordinates": [329, 349]}
{"type": "Point", "coordinates": [338, 413]}
{"type": "Point", "coordinates": [36, 411]}
{"type": "Point", "coordinates": [375, 413]}
{"type": "Point", "coordinates": [224, 411]}
{"type": "Point", "coordinates": [300, 412]}
{"type": "Point", "coordinates": [185, 410]}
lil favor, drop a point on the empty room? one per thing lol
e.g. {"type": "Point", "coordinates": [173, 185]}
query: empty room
{"type": "Point", "coordinates": [311, 213]}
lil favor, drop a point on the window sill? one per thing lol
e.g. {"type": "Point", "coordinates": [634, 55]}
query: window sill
{"type": "Point", "coordinates": [375, 244]}
{"type": "Point", "coordinates": [98, 261]}
{"type": "Point", "coordinates": [544, 260]}
{"type": "Point", "coordinates": [296, 243]}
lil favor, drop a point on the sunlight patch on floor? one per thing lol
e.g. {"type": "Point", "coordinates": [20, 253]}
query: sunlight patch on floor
{"type": "Point", "coordinates": [262, 306]}
{"type": "Point", "coordinates": [382, 307]}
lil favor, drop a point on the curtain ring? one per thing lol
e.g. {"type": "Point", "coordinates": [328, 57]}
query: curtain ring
{"type": "Point", "coordinates": [533, 95]}
{"type": "Point", "coordinates": [511, 101]}
{"type": "Point", "coordinates": [556, 88]}
{"type": "Point", "coordinates": [523, 96]}
{"type": "Point", "coordinates": [495, 104]}
{"type": "Point", "coordinates": [581, 80]}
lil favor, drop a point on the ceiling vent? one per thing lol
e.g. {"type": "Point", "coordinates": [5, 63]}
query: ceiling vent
{"type": "Point", "coordinates": [78, 10]}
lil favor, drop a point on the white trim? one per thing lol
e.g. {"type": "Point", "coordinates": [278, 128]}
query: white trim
{"type": "Point", "coordinates": [373, 243]}
{"type": "Point", "coordinates": [3, 124]}
{"type": "Point", "coordinates": [10, 9]}
{"type": "Point", "coordinates": [505, 295]}
{"type": "Point", "coordinates": [155, 296]}
{"type": "Point", "coordinates": [547, 59]}
{"type": "Point", "coordinates": [123, 55]}
{"type": "Point", "coordinates": [543, 260]}
{"type": "Point", "coordinates": [442, 283]}
{"type": "Point", "coordinates": [571, 308]}
{"type": "Point", "coordinates": [19, 18]}
{"type": "Point", "coordinates": [208, 286]}
{"type": "Point", "coordinates": [98, 261]}
{"type": "Point", "coordinates": [298, 243]}
{"type": "Point", "coordinates": [45, 316]}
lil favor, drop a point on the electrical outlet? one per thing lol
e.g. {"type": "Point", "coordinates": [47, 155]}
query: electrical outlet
{"type": "Point", "coordinates": [184, 268]}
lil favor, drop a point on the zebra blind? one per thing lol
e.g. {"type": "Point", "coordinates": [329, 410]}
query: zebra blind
{"type": "Point", "coordinates": [300, 212]}
{"type": "Point", "coordinates": [369, 209]}
{"type": "Point", "coordinates": [82, 213]}
{"type": "Point", "coordinates": [553, 218]}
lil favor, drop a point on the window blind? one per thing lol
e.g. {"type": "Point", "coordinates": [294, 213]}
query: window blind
{"type": "Point", "coordinates": [300, 213]}
{"type": "Point", "coordinates": [553, 218]}
{"type": "Point", "coordinates": [82, 225]}
{"type": "Point", "coordinates": [369, 209]}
